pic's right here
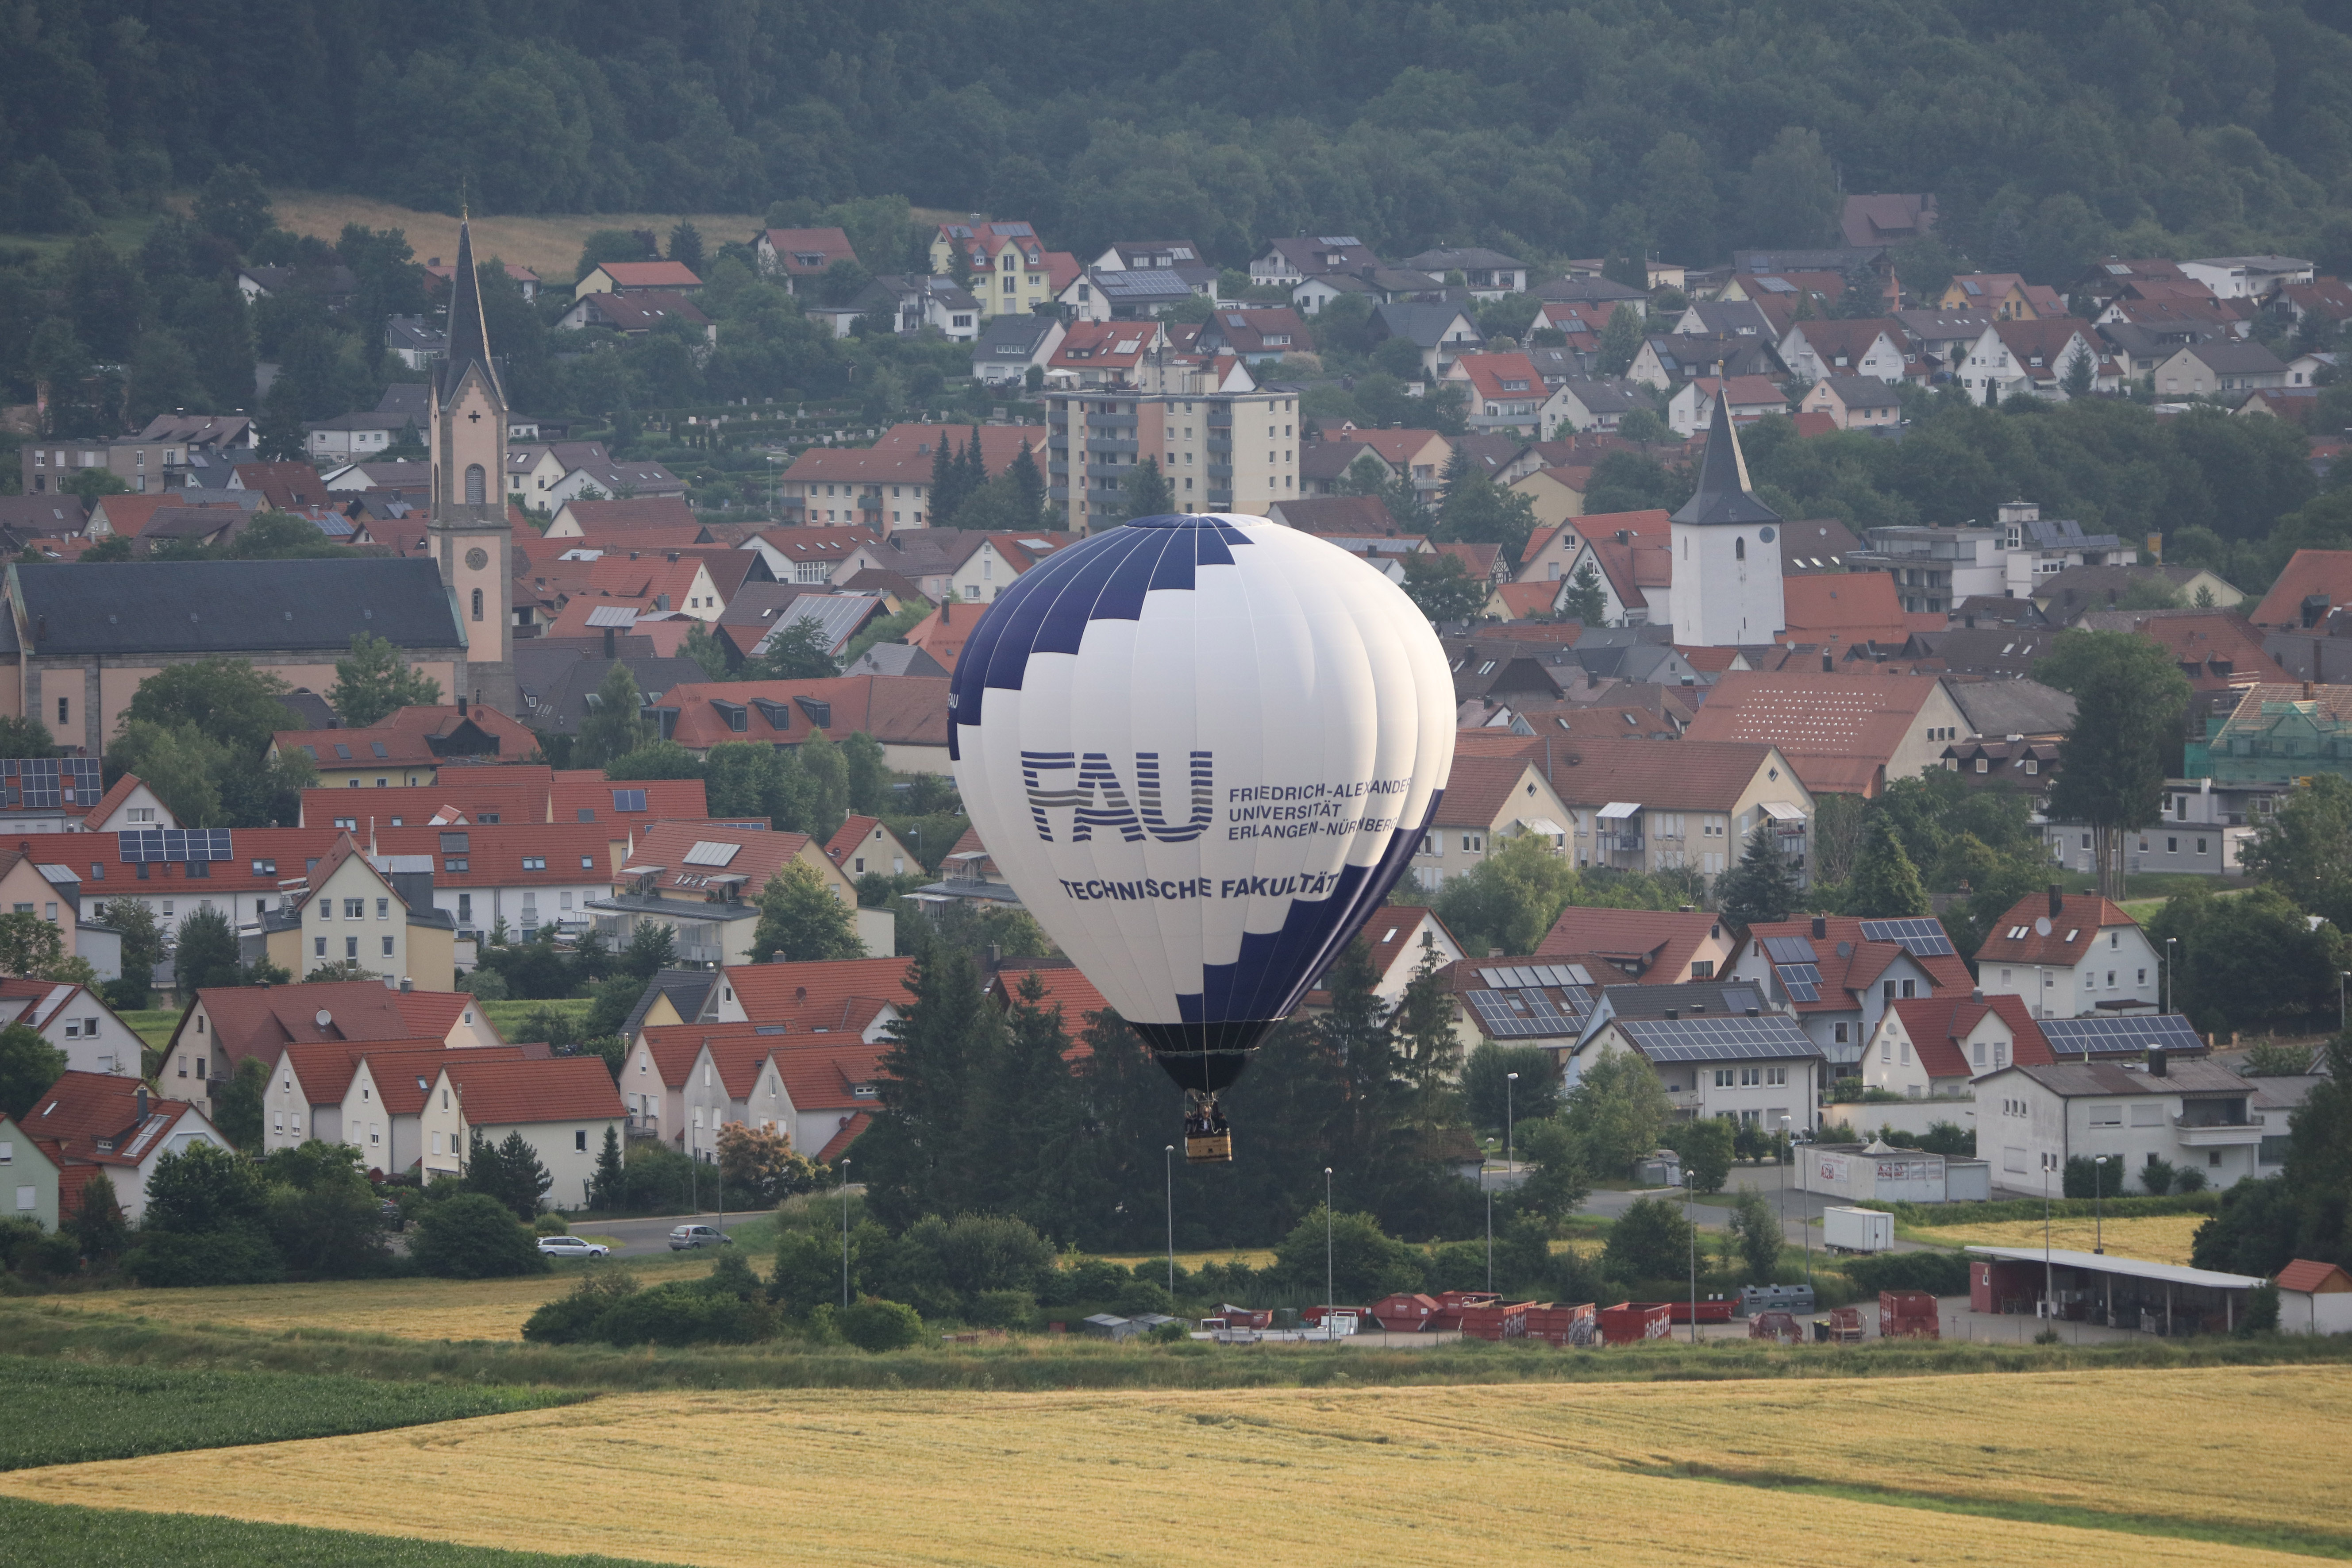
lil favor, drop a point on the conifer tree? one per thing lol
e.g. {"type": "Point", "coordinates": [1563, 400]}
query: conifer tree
{"type": "Point", "coordinates": [915, 1157]}
{"type": "Point", "coordinates": [1885, 884]}
{"type": "Point", "coordinates": [943, 484]}
{"type": "Point", "coordinates": [1586, 602]}
{"type": "Point", "coordinates": [1759, 888]}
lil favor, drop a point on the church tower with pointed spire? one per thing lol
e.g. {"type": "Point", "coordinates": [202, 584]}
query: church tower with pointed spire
{"type": "Point", "coordinates": [1726, 565]}
{"type": "Point", "coordinates": [469, 533]}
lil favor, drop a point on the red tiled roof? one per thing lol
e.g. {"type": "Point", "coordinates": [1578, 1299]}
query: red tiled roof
{"type": "Point", "coordinates": [1482, 789]}
{"type": "Point", "coordinates": [1665, 941]}
{"type": "Point", "coordinates": [250, 1019]}
{"type": "Point", "coordinates": [630, 515]}
{"type": "Point", "coordinates": [403, 1071]}
{"type": "Point", "coordinates": [559, 1088]}
{"type": "Point", "coordinates": [907, 710]}
{"type": "Point", "coordinates": [1939, 1025]}
{"type": "Point", "coordinates": [2303, 1274]}
{"type": "Point", "coordinates": [1849, 607]}
{"type": "Point", "coordinates": [1864, 960]}
{"type": "Point", "coordinates": [828, 245]}
{"type": "Point", "coordinates": [1663, 776]}
{"type": "Point", "coordinates": [406, 735]}
{"type": "Point", "coordinates": [774, 993]}
{"type": "Point", "coordinates": [109, 801]}
{"type": "Point", "coordinates": [1390, 931]}
{"type": "Point", "coordinates": [2326, 573]}
{"type": "Point", "coordinates": [515, 793]}
{"type": "Point", "coordinates": [578, 790]}
{"type": "Point", "coordinates": [286, 486]}
{"type": "Point", "coordinates": [825, 1076]}
{"type": "Point", "coordinates": [1521, 600]}
{"type": "Point", "coordinates": [1838, 731]}
{"type": "Point", "coordinates": [651, 274]}
{"type": "Point", "coordinates": [2072, 930]}
{"type": "Point", "coordinates": [841, 1140]}
{"type": "Point", "coordinates": [77, 1111]}
{"type": "Point", "coordinates": [759, 856]}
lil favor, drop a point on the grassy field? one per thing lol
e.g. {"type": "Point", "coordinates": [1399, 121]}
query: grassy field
{"type": "Point", "coordinates": [116, 1411]}
{"type": "Point", "coordinates": [510, 1017]}
{"type": "Point", "coordinates": [2162, 1239]}
{"type": "Point", "coordinates": [45, 1533]}
{"type": "Point", "coordinates": [412, 1309]}
{"type": "Point", "coordinates": [152, 1025]}
{"type": "Point", "coordinates": [2019, 1468]}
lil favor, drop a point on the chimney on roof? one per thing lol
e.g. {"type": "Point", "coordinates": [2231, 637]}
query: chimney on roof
{"type": "Point", "coordinates": [1828, 662]}
{"type": "Point", "coordinates": [1674, 1012]}
{"type": "Point", "coordinates": [461, 705]}
{"type": "Point", "coordinates": [1820, 929]}
{"type": "Point", "coordinates": [1624, 535]}
{"type": "Point", "coordinates": [608, 642]}
{"type": "Point", "coordinates": [142, 1102]}
{"type": "Point", "coordinates": [2057, 901]}
{"type": "Point", "coordinates": [1755, 1011]}
{"type": "Point", "coordinates": [2155, 1062]}
{"type": "Point", "coordinates": [1494, 953]}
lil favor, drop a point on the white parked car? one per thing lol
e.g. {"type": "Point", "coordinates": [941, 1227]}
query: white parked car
{"type": "Point", "coordinates": [571, 1246]}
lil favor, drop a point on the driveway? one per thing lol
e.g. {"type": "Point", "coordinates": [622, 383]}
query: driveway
{"type": "Point", "coordinates": [645, 1237]}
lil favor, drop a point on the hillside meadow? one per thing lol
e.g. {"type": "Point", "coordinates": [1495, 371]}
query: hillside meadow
{"type": "Point", "coordinates": [2159, 1238]}
{"type": "Point", "coordinates": [2018, 1468]}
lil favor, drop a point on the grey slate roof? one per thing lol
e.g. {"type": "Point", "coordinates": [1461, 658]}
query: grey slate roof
{"type": "Point", "coordinates": [1423, 324]}
{"type": "Point", "coordinates": [2013, 707]}
{"type": "Point", "coordinates": [232, 607]}
{"type": "Point", "coordinates": [686, 988]}
{"type": "Point", "coordinates": [1724, 495]}
{"type": "Point", "coordinates": [1599, 290]}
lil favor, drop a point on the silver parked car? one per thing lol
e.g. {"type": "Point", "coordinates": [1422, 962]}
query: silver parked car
{"type": "Point", "coordinates": [690, 1236]}
{"type": "Point", "coordinates": [571, 1246]}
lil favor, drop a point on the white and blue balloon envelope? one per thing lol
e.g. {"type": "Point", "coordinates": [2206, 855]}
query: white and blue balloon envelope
{"type": "Point", "coordinates": [1202, 749]}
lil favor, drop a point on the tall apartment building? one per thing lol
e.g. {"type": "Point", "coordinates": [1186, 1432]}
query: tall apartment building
{"type": "Point", "coordinates": [1224, 443]}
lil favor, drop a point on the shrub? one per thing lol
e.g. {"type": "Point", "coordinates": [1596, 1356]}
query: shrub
{"type": "Point", "coordinates": [473, 1236]}
{"type": "Point", "coordinates": [1650, 1240]}
{"type": "Point", "coordinates": [1170, 1334]}
{"type": "Point", "coordinates": [238, 1254]}
{"type": "Point", "coordinates": [1937, 1273]}
{"type": "Point", "coordinates": [34, 1253]}
{"type": "Point", "coordinates": [2187, 1179]}
{"type": "Point", "coordinates": [2261, 1311]}
{"type": "Point", "coordinates": [1005, 1310]}
{"type": "Point", "coordinates": [572, 1319]}
{"type": "Point", "coordinates": [686, 1312]}
{"type": "Point", "coordinates": [878, 1326]}
{"type": "Point", "coordinates": [550, 1224]}
{"type": "Point", "coordinates": [2156, 1176]}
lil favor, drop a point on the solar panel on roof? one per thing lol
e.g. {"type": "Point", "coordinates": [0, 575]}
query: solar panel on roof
{"type": "Point", "coordinates": [1789, 950]}
{"type": "Point", "coordinates": [2119, 1036]}
{"type": "Point", "coordinates": [1802, 982]}
{"type": "Point", "coordinates": [155, 846]}
{"type": "Point", "coordinates": [1919, 937]}
{"type": "Point", "coordinates": [1522, 1015]}
{"type": "Point", "coordinates": [1719, 1039]}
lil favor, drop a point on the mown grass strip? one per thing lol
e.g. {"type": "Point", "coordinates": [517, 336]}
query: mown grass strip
{"type": "Point", "coordinates": [59, 1536]}
{"type": "Point", "coordinates": [1065, 1362]}
{"type": "Point", "coordinates": [90, 1412]}
{"type": "Point", "coordinates": [2301, 1542]}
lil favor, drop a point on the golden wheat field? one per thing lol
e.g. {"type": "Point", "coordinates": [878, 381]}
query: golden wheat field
{"type": "Point", "coordinates": [2162, 1238]}
{"type": "Point", "coordinates": [414, 1309]}
{"type": "Point", "coordinates": [1307, 1477]}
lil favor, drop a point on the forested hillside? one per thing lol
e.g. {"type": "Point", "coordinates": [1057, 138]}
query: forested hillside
{"type": "Point", "coordinates": [2050, 133]}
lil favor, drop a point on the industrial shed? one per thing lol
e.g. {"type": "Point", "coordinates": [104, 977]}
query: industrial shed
{"type": "Point", "coordinates": [2167, 1298]}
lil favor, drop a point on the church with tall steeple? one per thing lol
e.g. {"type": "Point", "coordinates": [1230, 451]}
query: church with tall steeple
{"type": "Point", "coordinates": [468, 532]}
{"type": "Point", "coordinates": [1727, 552]}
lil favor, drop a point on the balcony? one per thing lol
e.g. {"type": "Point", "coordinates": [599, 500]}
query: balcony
{"type": "Point", "coordinates": [2196, 1132]}
{"type": "Point", "coordinates": [1111, 421]}
{"type": "Point", "coordinates": [1221, 471]}
{"type": "Point", "coordinates": [1220, 444]}
{"type": "Point", "coordinates": [1058, 470]}
{"type": "Point", "coordinates": [1103, 448]}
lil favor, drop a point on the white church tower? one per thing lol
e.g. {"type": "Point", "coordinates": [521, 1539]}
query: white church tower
{"type": "Point", "coordinates": [1727, 567]}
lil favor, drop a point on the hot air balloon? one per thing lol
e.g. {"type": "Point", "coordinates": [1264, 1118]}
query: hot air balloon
{"type": "Point", "coordinates": [1202, 749]}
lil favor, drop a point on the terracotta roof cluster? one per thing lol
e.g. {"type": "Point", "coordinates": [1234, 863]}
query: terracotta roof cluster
{"type": "Point", "coordinates": [894, 709]}
{"type": "Point", "coordinates": [93, 1118]}
{"type": "Point", "coordinates": [1939, 1025]}
{"type": "Point", "coordinates": [1639, 942]}
{"type": "Point", "coordinates": [418, 736]}
{"type": "Point", "coordinates": [505, 1093]}
{"type": "Point", "coordinates": [1837, 731]}
{"type": "Point", "coordinates": [2075, 921]}
{"type": "Point", "coordinates": [248, 1020]}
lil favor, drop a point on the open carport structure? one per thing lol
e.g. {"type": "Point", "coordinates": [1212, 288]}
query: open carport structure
{"type": "Point", "coordinates": [2098, 1288]}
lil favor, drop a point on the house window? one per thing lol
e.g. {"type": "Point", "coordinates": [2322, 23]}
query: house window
{"type": "Point", "coordinates": [387, 947]}
{"type": "Point", "coordinates": [1837, 1034]}
{"type": "Point", "coordinates": [318, 947]}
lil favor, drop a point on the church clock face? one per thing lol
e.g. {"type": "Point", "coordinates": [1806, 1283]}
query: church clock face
{"type": "Point", "coordinates": [476, 559]}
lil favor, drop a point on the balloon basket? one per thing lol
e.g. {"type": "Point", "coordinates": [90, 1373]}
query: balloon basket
{"type": "Point", "coordinates": [1214, 1149]}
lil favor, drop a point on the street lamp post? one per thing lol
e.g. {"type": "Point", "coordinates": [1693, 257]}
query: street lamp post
{"type": "Point", "coordinates": [1693, 1224]}
{"type": "Point", "coordinates": [2049, 1276]}
{"type": "Point", "coordinates": [2098, 1203]}
{"type": "Point", "coordinates": [1168, 1169]}
{"type": "Point", "coordinates": [1510, 1122]}
{"type": "Point", "coordinates": [2169, 944]}
{"type": "Point", "coordinates": [2342, 1025]}
{"type": "Point", "coordinates": [1784, 1181]}
{"type": "Point", "coordinates": [1327, 1252]}
{"type": "Point", "coordinates": [844, 1232]}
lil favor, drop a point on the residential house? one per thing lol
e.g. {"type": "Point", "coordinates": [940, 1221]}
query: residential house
{"type": "Point", "coordinates": [35, 1179]}
{"type": "Point", "coordinates": [2036, 547]}
{"type": "Point", "coordinates": [637, 313]}
{"type": "Point", "coordinates": [637, 278]}
{"type": "Point", "coordinates": [101, 1124]}
{"type": "Point", "coordinates": [519, 876]}
{"type": "Point", "coordinates": [1839, 975]}
{"type": "Point", "coordinates": [1854, 401]}
{"type": "Point", "coordinates": [1632, 553]}
{"type": "Point", "coordinates": [1667, 360]}
{"type": "Point", "coordinates": [2032, 1120]}
{"type": "Point", "coordinates": [2248, 277]}
{"type": "Point", "coordinates": [1556, 498]}
{"type": "Point", "coordinates": [1009, 347]}
{"type": "Point", "coordinates": [2069, 595]}
{"type": "Point", "coordinates": [1656, 947]}
{"type": "Point", "coordinates": [1137, 294]}
{"type": "Point", "coordinates": [1692, 407]}
{"type": "Point", "coordinates": [1404, 938]}
{"type": "Point", "coordinates": [397, 1109]}
{"type": "Point", "coordinates": [73, 1019]}
{"type": "Point", "coordinates": [1657, 805]}
{"type": "Point", "coordinates": [563, 1107]}
{"type": "Point", "coordinates": [1255, 336]}
{"type": "Point", "coordinates": [1105, 354]}
{"type": "Point", "coordinates": [1489, 274]}
{"type": "Point", "coordinates": [1485, 798]}
{"type": "Point", "coordinates": [1419, 455]}
{"type": "Point", "coordinates": [347, 913]}
{"type": "Point", "coordinates": [1814, 350]}
{"type": "Point", "coordinates": [906, 303]}
{"type": "Point", "coordinates": [1844, 734]}
{"type": "Point", "coordinates": [2004, 296]}
{"type": "Point", "coordinates": [798, 256]}
{"type": "Point", "coordinates": [1733, 318]}
{"type": "Point", "coordinates": [223, 1025]}
{"type": "Point", "coordinates": [862, 846]}
{"type": "Point", "coordinates": [1935, 1048]}
{"type": "Point", "coordinates": [409, 745]}
{"type": "Point", "coordinates": [1443, 333]}
{"type": "Point", "coordinates": [1867, 221]}
{"type": "Point", "coordinates": [642, 522]}
{"type": "Point", "coordinates": [2071, 955]}
{"type": "Point", "coordinates": [1754, 1068]}
{"type": "Point", "coordinates": [349, 436]}
{"type": "Point", "coordinates": [1506, 394]}
{"type": "Point", "coordinates": [1292, 261]}
{"type": "Point", "coordinates": [1006, 263]}
{"type": "Point", "coordinates": [1599, 403]}
{"type": "Point", "coordinates": [2313, 584]}
{"type": "Point", "coordinates": [2214, 369]}
{"type": "Point", "coordinates": [1592, 289]}
{"type": "Point", "coordinates": [702, 880]}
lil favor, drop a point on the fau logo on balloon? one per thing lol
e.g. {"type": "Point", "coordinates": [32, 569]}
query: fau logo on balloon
{"type": "Point", "coordinates": [1099, 800]}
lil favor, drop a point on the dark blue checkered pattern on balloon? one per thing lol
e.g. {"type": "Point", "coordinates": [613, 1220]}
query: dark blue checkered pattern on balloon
{"type": "Point", "coordinates": [1104, 578]}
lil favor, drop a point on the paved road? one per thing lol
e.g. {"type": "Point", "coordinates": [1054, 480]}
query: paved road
{"type": "Point", "coordinates": [643, 1238]}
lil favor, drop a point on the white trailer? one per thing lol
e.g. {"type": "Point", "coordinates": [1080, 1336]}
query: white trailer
{"type": "Point", "coordinates": [1856, 1230]}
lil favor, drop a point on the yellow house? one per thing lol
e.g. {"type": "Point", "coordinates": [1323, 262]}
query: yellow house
{"type": "Point", "coordinates": [1006, 261]}
{"type": "Point", "coordinates": [27, 889]}
{"type": "Point", "coordinates": [352, 917]}
{"type": "Point", "coordinates": [2000, 295]}
{"type": "Point", "coordinates": [1554, 494]}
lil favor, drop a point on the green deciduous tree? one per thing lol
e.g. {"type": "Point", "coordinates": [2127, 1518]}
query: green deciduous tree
{"type": "Point", "coordinates": [798, 650]}
{"type": "Point", "coordinates": [1706, 1145]}
{"type": "Point", "coordinates": [1650, 1240]}
{"type": "Point", "coordinates": [1885, 884]}
{"type": "Point", "coordinates": [206, 954]}
{"type": "Point", "coordinates": [2248, 960]}
{"type": "Point", "coordinates": [28, 1064]}
{"type": "Point", "coordinates": [238, 1108]}
{"type": "Point", "coordinates": [1487, 1094]}
{"type": "Point", "coordinates": [1757, 1224]}
{"type": "Point", "coordinates": [373, 683]}
{"type": "Point", "coordinates": [1617, 1110]}
{"type": "Point", "coordinates": [234, 205]}
{"type": "Point", "coordinates": [29, 945]}
{"type": "Point", "coordinates": [473, 1235]}
{"type": "Point", "coordinates": [801, 921]}
{"type": "Point", "coordinates": [1143, 492]}
{"type": "Point", "coordinates": [2129, 699]}
{"type": "Point", "coordinates": [2304, 848]}
{"type": "Point", "coordinates": [1443, 588]}
{"type": "Point", "coordinates": [615, 726]}
{"type": "Point", "coordinates": [1620, 339]}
